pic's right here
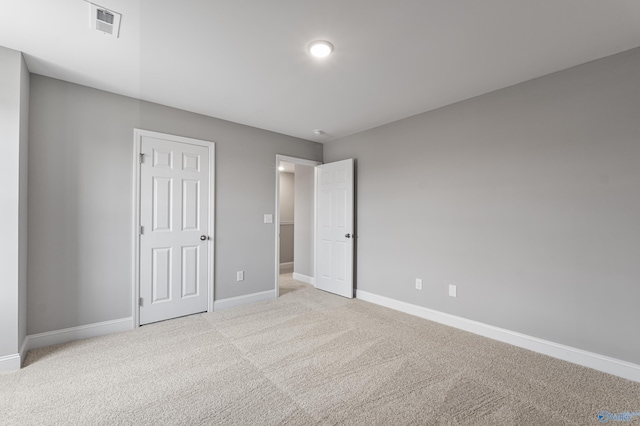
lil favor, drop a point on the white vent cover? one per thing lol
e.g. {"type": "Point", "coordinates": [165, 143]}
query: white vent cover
{"type": "Point", "coordinates": [104, 20]}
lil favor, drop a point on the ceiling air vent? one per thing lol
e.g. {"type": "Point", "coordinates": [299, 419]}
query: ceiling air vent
{"type": "Point", "coordinates": [104, 20]}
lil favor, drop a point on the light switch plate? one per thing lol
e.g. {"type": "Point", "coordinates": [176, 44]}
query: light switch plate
{"type": "Point", "coordinates": [452, 290]}
{"type": "Point", "coordinates": [268, 218]}
{"type": "Point", "coordinates": [240, 276]}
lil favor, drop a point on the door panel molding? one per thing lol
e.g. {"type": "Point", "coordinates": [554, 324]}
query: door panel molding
{"type": "Point", "coordinates": [186, 163]}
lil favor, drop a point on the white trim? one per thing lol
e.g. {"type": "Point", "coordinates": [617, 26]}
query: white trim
{"type": "Point", "coordinates": [212, 225]}
{"type": "Point", "coordinates": [14, 362]}
{"type": "Point", "coordinates": [10, 363]}
{"type": "Point", "coordinates": [304, 278]}
{"type": "Point", "coordinates": [137, 140]}
{"type": "Point", "coordinates": [286, 267]}
{"type": "Point", "coordinates": [41, 340]}
{"type": "Point", "coordinates": [296, 160]}
{"type": "Point", "coordinates": [277, 231]}
{"type": "Point", "coordinates": [302, 162]}
{"type": "Point", "coordinates": [135, 249]}
{"type": "Point", "coordinates": [598, 362]}
{"type": "Point", "coordinates": [233, 302]}
{"type": "Point", "coordinates": [315, 227]}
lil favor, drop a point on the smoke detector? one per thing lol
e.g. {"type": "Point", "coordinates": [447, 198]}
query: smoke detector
{"type": "Point", "coordinates": [105, 20]}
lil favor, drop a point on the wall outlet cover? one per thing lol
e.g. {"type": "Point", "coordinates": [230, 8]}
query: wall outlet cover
{"type": "Point", "coordinates": [418, 284]}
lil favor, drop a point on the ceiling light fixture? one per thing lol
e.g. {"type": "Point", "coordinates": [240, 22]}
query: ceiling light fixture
{"type": "Point", "coordinates": [320, 48]}
{"type": "Point", "coordinates": [318, 132]}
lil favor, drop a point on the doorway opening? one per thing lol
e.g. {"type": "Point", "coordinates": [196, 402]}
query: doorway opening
{"type": "Point", "coordinates": [295, 220]}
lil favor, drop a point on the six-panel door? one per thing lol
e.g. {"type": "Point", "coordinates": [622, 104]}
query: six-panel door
{"type": "Point", "coordinates": [174, 244]}
{"type": "Point", "coordinates": [334, 227]}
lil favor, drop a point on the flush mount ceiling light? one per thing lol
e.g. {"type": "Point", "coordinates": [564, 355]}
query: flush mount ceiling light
{"type": "Point", "coordinates": [320, 48]}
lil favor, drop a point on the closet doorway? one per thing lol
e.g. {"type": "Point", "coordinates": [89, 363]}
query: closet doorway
{"type": "Point", "coordinates": [295, 219]}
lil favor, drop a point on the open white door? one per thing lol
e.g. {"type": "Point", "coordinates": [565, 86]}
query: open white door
{"type": "Point", "coordinates": [334, 227]}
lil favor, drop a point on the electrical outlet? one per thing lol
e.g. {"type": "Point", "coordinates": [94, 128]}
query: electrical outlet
{"type": "Point", "coordinates": [240, 276]}
{"type": "Point", "coordinates": [418, 284]}
{"type": "Point", "coordinates": [453, 290]}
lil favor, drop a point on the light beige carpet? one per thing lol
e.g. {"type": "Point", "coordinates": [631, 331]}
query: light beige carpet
{"type": "Point", "coordinates": [307, 358]}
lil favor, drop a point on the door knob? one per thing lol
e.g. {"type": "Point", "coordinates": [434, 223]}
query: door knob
{"type": "Point", "coordinates": [203, 237]}
{"type": "Point", "coordinates": [348, 235]}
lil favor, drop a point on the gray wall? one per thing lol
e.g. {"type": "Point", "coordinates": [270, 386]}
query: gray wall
{"type": "Point", "coordinates": [527, 198]}
{"type": "Point", "coordinates": [286, 245]}
{"type": "Point", "coordinates": [80, 200]}
{"type": "Point", "coordinates": [287, 203]}
{"type": "Point", "coordinates": [304, 237]}
{"type": "Point", "coordinates": [14, 92]}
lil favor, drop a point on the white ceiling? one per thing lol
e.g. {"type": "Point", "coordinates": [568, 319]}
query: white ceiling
{"type": "Point", "coordinates": [246, 60]}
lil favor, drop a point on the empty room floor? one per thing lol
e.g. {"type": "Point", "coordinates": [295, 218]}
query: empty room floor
{"type": "Point", "coordinates": [308, 357]}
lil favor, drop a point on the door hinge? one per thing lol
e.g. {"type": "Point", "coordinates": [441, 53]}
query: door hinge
{"type": "Point", "coordinates": [140, 301]}
{"type": "Point", "coordinates": [141, 158]}
{"type": "Point", "coordinates": [141, 230]}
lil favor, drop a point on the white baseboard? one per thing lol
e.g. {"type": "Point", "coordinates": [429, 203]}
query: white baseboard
{"type": "Point", "coordinates": [233, 302]}
{"type": "Point", "coordinates": [304, 278]}
{"type": "Point", "coordinates": [286, 267]}
{"type": "Point", "coordinates": [598, 362]}
{"type": "Point", "coordinates": [40, 340]}
{"type": "Point", "coordinates": [10, 363]}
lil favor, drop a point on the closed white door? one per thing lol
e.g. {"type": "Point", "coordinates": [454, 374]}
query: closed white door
{"type": "Point", "coordinates": [334, 227]}
{"type": "Point", "coordinates": [174, 236]}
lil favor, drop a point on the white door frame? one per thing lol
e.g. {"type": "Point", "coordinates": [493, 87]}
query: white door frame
{"type": "Point", "coordinates": [137, 140]}
{"type": "Point", "coordinates": [302, 162]}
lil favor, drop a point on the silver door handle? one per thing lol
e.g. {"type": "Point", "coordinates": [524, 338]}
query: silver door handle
{"type": "Point", "coordinates": [203, 237]}
{"type": "Point", "coordinates": [347, 235]}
